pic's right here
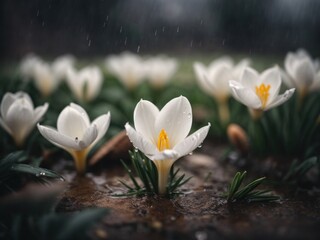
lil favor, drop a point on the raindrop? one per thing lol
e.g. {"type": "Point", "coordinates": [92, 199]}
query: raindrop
{"type": "Point", "coordinates": [38, 13]}
{"type": "Point", "coordinates": [200, 146]}
{"type": "Point", "coordinates": [136, 150]}
{"type": "Point", "coordinates": [76, 139]}
{"type": "Point", "coordinates": [191, 43]}
{"type": "Point", "coordinates": [178, 29]}
{"type": "Point", "coordinates": [120, 29]}
{"type": "Point", "coordinates": [37, 175]}
{"type": "Point", "coordinates": [190, 153]}
{"type": "Point", "coordinates": [138, 49]}
{"type": "Point", "coordinates": [42, 23]}
{"type": "Point", "coordinates": [173, 218]}
{"type": "Point", "coordinates": [155, 32]}
{"type": "Point", "coordinates": [163, 29]}
{"type": "Point", "coordinates": [125, 41]}
{"type": "Point", "coordinates": [42, 174]}
{"type": "Point", "coordinates": [89, 43]}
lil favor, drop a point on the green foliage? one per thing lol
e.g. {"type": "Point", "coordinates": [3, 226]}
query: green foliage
{"type": "Point", "coordinates": [290, 130]}
{"type": "Point", "coordinates": [298, 170]}
{"type": "Point", "coordinates": [15, 166]}
{"type": "Point", "coordinates": [147, 173]}
{"type": "Point", "coordinates": [248, 192]}
{"type": "Point", "coordinates": [30, 214]}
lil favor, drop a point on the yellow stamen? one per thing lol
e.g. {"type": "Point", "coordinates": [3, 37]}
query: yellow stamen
{"type": "Point", "coordinates": [163, 141]}
{"type": "Point", "coordinates": [263, 93]}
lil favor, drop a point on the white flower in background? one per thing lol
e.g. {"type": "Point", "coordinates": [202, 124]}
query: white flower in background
{"type": "Point", "coordinates": [260, 92]}
{"type": "Point", "coordinates": [18, 115]}
{"type": "Point", "coordinates": [62, 64]}
{"type": "Point", "coordinates": [85, 84]}
{"type": "Point", "coordinates": [159, 70]}
{"type": "Point", "coordinates": [46, 76]}
{"type": "Point", "coordinates": [128, 68]}
{"type": "Point", "coordinates": [214, 80]}
{"type": "Point", "coordinates": [303, 72]}
{"type": "Point", "coordinates": [27, 66]}
{"type": "Point", "coordinates": [162, 135]}
{"type": "Point", "coordinates": [76, 134]}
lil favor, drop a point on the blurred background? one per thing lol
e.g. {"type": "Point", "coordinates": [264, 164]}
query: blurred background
{"type": "Point", "coordinates": [100, 27]}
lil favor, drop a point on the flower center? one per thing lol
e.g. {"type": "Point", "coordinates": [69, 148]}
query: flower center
{"type": "Point", "coordinates": [163, 141]}
{"type": "Point", "coordinates": [263, 93]}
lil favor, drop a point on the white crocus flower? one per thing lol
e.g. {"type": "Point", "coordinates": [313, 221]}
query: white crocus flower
{"type": "Point", "coordinates": [46, 76]}
{"type": "Point", "coordinates": [76, 134]}
{"type": "Point", "coordinates": [260, 92]}
{"type": "Point", "coordinates": [303, 72]}
{"type": "Point", "coordinates": [45, 79]}
{"type": "Point", "coordinates": [128, 68]}
{"type": "Point", "coordinates": [85, 84]}
{"type": "Point", "coordinates": [159, 70]}
{"type": "Point", "coordinates": [214, 80]}
{"type": "Point", "coordinates": [18, 115]}
{"type": "Point", "coordinates": [27, 66]}
{"type": "Point", "coordinates": [162, 135]}
{"type": "Point", "coordinates": [62, 64]}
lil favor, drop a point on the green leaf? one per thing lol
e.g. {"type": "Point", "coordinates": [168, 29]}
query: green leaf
{"type": "Point", "coordinates": [36, 171]}
{"type": "Point", "coordinates": [70, 226]}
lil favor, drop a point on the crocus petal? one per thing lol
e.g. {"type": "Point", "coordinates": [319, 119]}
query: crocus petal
{"type": "Point", "coordinates": [201, 72]}
{"type": "Point", "coordinates": [94, 83]}
{"type": "Point", "coordinates": [249, 78]}
{"type": "Point", "coordinates": [304, 73]}
{"type": "Point", "coordinates": [144, 116]}
{"type": "Point", "coordinates": [271, 77]}
{"type": "Point", "coordinates": [72, 121]}
{"type": "Point", "coordinates": [102, 122]}
{"type": "Point", "coordinates": [5, 126]}
{"type": "Point", "coordinates": [288, 64]}
{"type": "Point", "coordinates": [89, 136]}
{"type": "Point", "coordinates": [281, 99]}
{"type": "Point", "coordinates": [168, 154]}
{"type": "Point", "coordinates": [7, 101]}
{"type": "Point", "coordinates": [40, 111]}
{"type": "Point", "coordinates": [141, 143]}
{"type": "Point", "coordinates": [81, 111]}
{"type": "Point", "coordinates": [176, 119]}
{"type": "Point", "coordinates": [58, 139]}
{"type": "Point", "coordinates": [192, 142]}
{"type": "Point", "coordinates": [19, 118]}
{"type": "Point", "coordinates": [245, 95]}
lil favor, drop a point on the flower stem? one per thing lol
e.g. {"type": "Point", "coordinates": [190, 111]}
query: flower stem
{"type": "Point", "coordinates": [163, 167]}
{"type": "Point", "coordinates": [224, 113]}
{"type": "Point", "coordinates": [256, 114]}
{"type": "Point", "coordinates": [80, 160]}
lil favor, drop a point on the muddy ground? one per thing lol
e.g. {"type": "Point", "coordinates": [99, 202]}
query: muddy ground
{"type": "Point", "coordinates": [200, 213]}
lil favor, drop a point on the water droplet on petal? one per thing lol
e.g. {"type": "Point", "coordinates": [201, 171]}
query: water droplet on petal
{"type": "Point", "coordinates": [190, 153]}
{"type": "Point", "coordinates": [189, 115]}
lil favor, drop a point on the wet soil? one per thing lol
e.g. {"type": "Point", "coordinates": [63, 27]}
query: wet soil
{"type": "Point", "coordinates": [200, 213]}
